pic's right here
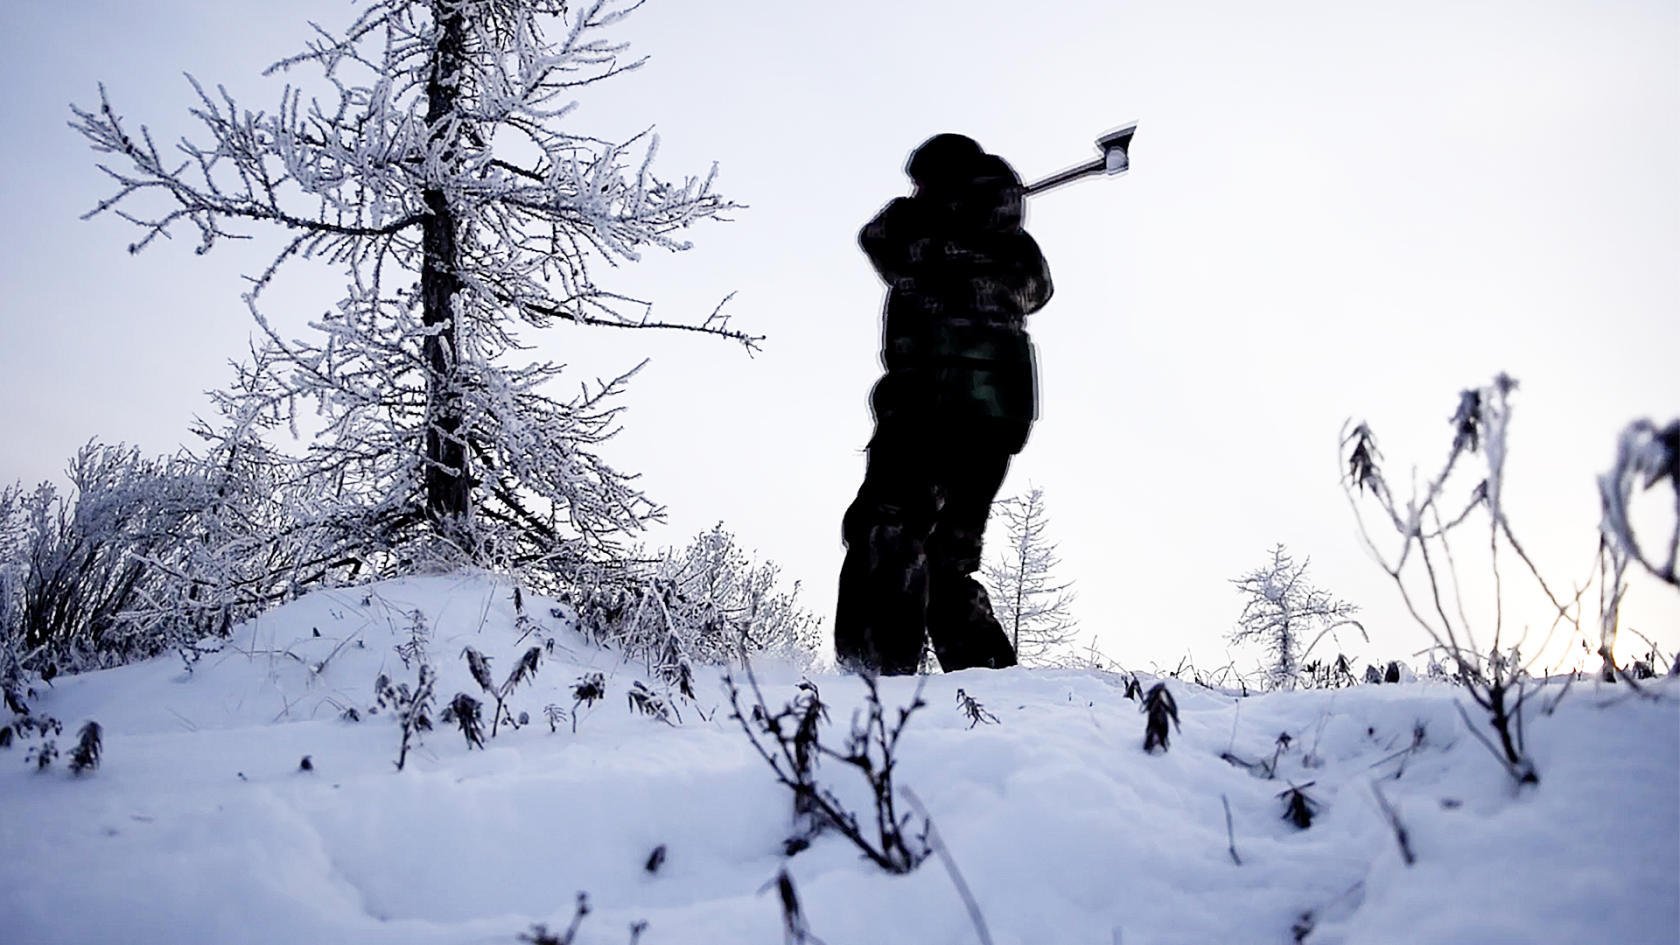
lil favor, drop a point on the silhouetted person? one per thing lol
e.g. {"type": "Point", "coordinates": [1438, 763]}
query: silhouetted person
{"type": "Point", "coordinates": [957, 401]}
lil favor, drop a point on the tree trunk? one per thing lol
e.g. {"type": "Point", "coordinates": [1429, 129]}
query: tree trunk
{"type": "Point", "coordinates": [448, 479]}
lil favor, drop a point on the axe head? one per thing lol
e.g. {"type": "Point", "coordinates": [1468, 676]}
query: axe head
{"type": "Point", "coordinates": [1113, 147]}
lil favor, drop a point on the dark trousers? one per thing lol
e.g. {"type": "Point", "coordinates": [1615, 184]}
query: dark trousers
{"type": "Point", "coordinates": [913, 537]}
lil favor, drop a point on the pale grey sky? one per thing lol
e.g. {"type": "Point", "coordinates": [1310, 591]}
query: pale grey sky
{"type": "Point", "coordinates": [1335, 210]}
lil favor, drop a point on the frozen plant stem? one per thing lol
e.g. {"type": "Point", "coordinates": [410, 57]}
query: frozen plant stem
{"type": "Point", "coordinates": [1494, 678]}
{"type": "Point", "coordinates": [975, 712]}
{"type": "Point", "coordinates": [950, 864]}
{"type": "Point", "coordinates": [1230, 831]}
{"type": "Point", "coordinates": [794, 928]}
{"type": "Point", "coordinates": [413, 707]}
{"type": "Point", "coordinates": [524, 670]}
{"type": "Point", "coordinates": [1401, 835]}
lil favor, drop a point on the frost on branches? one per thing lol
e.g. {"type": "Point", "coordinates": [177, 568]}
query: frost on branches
{"type": "Point", "coordinates": [1645, 456]}
{"type": "Point", "coordinates": [1033, 608]}
{"type": "Point", "coordinates": [1287, 616]}
{"type": "Point", "coordinates": [443, 174]}
{"type": "Point", "coordinates": [707, 603]}
{"type": "Point", "coordinates": [75, 567]}
{"type": "Point", "coordinates": [1494, 671]}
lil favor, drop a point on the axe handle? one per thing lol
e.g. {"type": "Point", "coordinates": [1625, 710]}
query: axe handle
{"type": "Point", "coordinates": [1072, 173]}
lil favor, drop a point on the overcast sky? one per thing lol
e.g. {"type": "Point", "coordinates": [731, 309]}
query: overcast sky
{"type": "Point", "coordinates": [1336, 210]}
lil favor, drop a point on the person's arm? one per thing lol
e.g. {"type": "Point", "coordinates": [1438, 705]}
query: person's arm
{"type": "Point", "coordinates": [1014, 259]}
{"type": "Point", "coordinates": [895, 241]}
{"type": "Point", "coordinates": [1031, 274]}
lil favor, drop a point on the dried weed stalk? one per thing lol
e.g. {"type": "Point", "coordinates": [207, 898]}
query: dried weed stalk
{"type": "Point", "coordinates": [1495, 676]}
{"type": "Point", "coordinates": [413, 707]}
{"type": "Point", "coordinates": [790, 742]}
{"type": "Point", "coordinates": [974, 711]}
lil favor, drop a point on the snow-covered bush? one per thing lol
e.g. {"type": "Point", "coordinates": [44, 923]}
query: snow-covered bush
{"type": "Point", "coordinates": [144, 554]}
{"type": "Point", "coordinates": [261, 532]}
{"type": "Point", "coordinates": [75, 566]}
{"type": "Point", "coordinates": [732, 601]}
{"type": "Point", "coordinates": [85, 756]}
{"type": "Point", "coordinates": [706, 603]}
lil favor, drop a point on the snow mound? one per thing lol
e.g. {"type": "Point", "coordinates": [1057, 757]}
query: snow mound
{"type": "Point", "coordinates": [201, 827]}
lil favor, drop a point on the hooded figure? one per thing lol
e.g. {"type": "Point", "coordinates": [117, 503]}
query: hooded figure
{"type": "Point", "coordinates": [957, 401]}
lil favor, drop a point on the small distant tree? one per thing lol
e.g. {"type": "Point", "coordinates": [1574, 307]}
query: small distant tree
{"type": "Point", "coordinates": [1028, 600]}
{"type": "Point", "coordinates": [1287, 615]}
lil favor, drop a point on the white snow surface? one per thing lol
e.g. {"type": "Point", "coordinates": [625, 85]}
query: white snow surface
{"type": "Point", "coordinates": [199, 826]}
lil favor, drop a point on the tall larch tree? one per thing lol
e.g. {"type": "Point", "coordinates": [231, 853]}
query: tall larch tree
{"type": "Point", "coordinates": [439, 168]}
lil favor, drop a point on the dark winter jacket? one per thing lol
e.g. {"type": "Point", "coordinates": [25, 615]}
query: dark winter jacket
{"type": "Point", "coordinates": [962, 277]}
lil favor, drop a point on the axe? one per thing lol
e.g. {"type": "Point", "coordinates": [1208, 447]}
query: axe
{"type": "Point", "coordinates": [1114, 160]}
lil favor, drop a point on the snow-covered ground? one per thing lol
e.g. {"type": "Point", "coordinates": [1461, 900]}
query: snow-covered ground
{"type": "Point", "coordinates": [200, 827]}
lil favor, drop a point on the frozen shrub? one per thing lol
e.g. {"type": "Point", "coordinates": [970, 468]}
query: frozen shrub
{"type": "Point", "coordinates": [85, 756]}
{"type": "Point", "coordinates": [1160, 709]}
{"type": "Point", "coordinates": [1298, 808]}
{"type": "Point", "coordinates": [651, 704]}
{"type": "Point", "coordinates": [463, 712]}
{"type": "Point", "coordinates": [790, 742]}
{"type": "Point", "coordinates": [75, 567]}
{"type": "Point", "coordinates": [701, 604]}
{"type": "Point", "coordinates": [973, 710]}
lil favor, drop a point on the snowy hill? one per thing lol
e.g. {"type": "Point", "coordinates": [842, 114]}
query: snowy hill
{"type": "Point", "coordinates": [199, 826]}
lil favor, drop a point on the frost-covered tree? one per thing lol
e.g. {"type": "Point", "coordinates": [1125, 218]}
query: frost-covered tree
{"type": "Point", "coordinates": [1034, 607]}
{"type": "Point", "coordinates": [1287, 615]}
{"type": "Point", "coordinates": [441, 171]}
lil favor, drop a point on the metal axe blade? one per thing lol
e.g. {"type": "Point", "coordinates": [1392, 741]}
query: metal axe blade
{"type": "Point", "coordinates": [1116, 159]}
{"type": "Point", "coordinates": [1114, 146]}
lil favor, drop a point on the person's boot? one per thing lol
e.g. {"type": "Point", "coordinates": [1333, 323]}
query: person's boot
{"type": "Point", "coordinates": [964, 631]}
